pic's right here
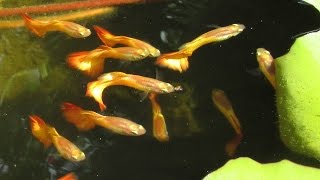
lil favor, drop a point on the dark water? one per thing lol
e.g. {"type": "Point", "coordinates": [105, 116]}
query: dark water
{"type": "Point", "coordinates": [198, 132]}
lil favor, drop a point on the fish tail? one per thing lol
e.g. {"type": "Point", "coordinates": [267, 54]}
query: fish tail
{"type": "Point", "coordinates": [222, 102]}
{"type": "Point", "coordinates": [95, 89]}
{"type": "Point", "coordinates": [112, 76]}
{"type": "Point", "coordinates": [180, 64]}
{"type": "Point", "coordinates": [105, 36]}
{"type": "Point", "coordinates": [159, 124]}
{"type": "Point", "coordinates": [74, 115]}
{"type": "Point", "coordinates": [39, 130]}
{"type": "Point", "coordinates": [89, 66]}
{"type": "Point", "coordinates": [69, 176]}
{"type": "Point", "coordinates": [37, 27]}
{"type": "Point", "coordinates": [231, 146]}
{"type": "Point", "coordinates": [102, 106]}
{"type": "Point", "coordinates": [52, 131]}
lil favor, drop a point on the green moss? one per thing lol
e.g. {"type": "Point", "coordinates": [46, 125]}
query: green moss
{"type": "Point", "coordinates": [26, 67]}
{"type": "Point", "coordinates": [298, 97]}
{"type": "Point", "coordinates": [22, 60]}
{"type": "Point", "coordinates": [248, 169]}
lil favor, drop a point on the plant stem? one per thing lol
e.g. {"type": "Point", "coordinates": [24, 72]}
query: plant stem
{"type": "Point", "coordinates": [68, 6]}
{"type": "Point", "coordinates": [64, 17]}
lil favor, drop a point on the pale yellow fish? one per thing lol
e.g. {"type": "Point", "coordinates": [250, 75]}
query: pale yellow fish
{"type": "Point", "coordinates": [266, 65]}
{"type": "Point", "coordinates": [146, 84]}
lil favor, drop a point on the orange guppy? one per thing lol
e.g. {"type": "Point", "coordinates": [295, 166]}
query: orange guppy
{"type": "Point", "coordinates": [40, 28]}
{"type": "Point", "coordinates": [69, 176]}
{"type": "Point", "coordinates": [222, 102]}
{"type": "Point", "coordinates": [48, 135]}
{"type": "Point", "coordinates": [159, 124]}
{"type": "Point", "coordinates": [146, 84]}
{"type": "Point", "coordinates": [178, 61]}
{"type": "Point", "coordinates": [91, 62]}
{"type": "Point", "coordinates": [111, 40]}
{"type": "Point", "coordinates": [266, 65]}
{"type": "Point", "coordinates": [85, 120]}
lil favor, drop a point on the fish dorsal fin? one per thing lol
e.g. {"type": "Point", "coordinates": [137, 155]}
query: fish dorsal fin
{"type": "Point", "coordinates": [36, 26]}
{"type": "Point", "coordinates": [104, 47]}
{"type": "Point", "coordinates": [77, 116]}
{"type": "Point", "coordinates": [39, 130]}
{"type": "Point", "coordinates": [52, 131]}
{"type": "Point", "coordinates": [105, 36]}
{"type": "Point", "coordinates": [112, 76]}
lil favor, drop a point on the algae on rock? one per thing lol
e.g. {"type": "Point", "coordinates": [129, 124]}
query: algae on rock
{"type": "Point", "coordinates": [244, 168]}
{"type": "Point", "coordinates": [298, 97]}
{"type": "Point", "coordinates": [22, 64]}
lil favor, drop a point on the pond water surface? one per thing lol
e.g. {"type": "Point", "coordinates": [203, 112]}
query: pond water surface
{"type": "Point", "coordinates": [198, 131]}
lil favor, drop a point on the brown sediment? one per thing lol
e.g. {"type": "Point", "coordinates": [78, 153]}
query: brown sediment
{"type": "Point", "coordinates": [68, 6]}
{"type": "Point", "coordinates": [65, 17]}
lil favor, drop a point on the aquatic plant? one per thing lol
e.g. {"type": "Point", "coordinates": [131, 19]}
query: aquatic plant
{"type": "Point", "coordinates": [83, 14]}
{"type": "Point", "coordinates": [67, 6]}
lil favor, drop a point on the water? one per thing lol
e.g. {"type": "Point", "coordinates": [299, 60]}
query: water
{"type": "Point", "coordinates": [198, 132]}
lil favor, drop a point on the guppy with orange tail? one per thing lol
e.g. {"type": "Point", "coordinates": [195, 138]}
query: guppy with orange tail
{"type": "Point", "coordinates": [85, 120]}
{"type": "Point", "coordinates": [112, 40]}
{"type": "Point", "coordinates": [91, 63]}
{"type": "Point", "coordinates": [222, 102]}
{"type": "Point", "coordinates": [40, 28]}
{"type": "Point", "coordinates": [159, 124]}
{"type": "Point", "coordinates": [48, 135]}
{"type": "Point", "coordinates": [178, 60]}
{"type": "Point", "coordinates": [146, 84]}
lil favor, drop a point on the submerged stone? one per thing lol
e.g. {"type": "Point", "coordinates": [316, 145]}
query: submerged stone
{"type": "Point", "coordinates": [298, 97]}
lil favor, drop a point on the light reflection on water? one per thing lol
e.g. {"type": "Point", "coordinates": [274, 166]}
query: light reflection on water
{"type": "Point", "coordinates": [198, 132]}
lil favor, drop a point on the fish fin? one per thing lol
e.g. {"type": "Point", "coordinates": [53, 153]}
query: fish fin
{"type": "Point", "coordinates": [74, 115]}
{"type": "Point", "coordinates": [39, 130]}
{"type": "Point", "coordinates": [52, 131]}
{"type": "Point", "coordinates": [90, 67]}
{"type": "Point", "coordinates": [143, 96]}
{"type": "Point", "coordinates": [213, 26]}
{"type": "Point", "coordinates": [111, 76]}
{"type": "Point", "coordinates": [185, 45]}
{"type": "Point", "coordinates": [180, 64]}
{"type": "Point", "coordinates": [231, 146]}
{"type": "Point", "coordinates": [37, 27]}
{"type": "Point", "coordinates": [69, 176]}
{"type": "Point", "coordinates": [104, 47]}
{"type": "Point", "coordinates": [159, 124]}
{"type": "Point", "coordinates": [95, 89]}
{"type": "Point", "coordinates": [105, 36]}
